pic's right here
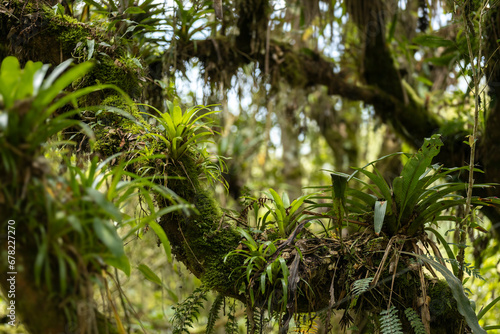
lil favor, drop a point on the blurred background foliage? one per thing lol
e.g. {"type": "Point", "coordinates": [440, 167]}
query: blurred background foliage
{"type": "Point", "coordinates": [277, 128]}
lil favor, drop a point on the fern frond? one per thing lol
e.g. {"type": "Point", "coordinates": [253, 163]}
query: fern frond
{"type": "Point", "coordinates": [469, 268]}
{"type": "Point", "coordinates": [415, 321]}
{"type": "Point", "coordinates": [389, 322]}
{"type": "Point", "coordinates": [231, 326]}
{"type": "Point", "coordinates": [306, 324]}
{"type": "Point", "coordinates": [187, 311]}
{"type": "Point", "coordinates": [213, 315]}
{"type": "Point", "coordinates": [361, 285]}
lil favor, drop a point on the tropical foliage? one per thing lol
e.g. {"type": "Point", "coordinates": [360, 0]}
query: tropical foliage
{"type": "Point", "coordinates": [144, 123]}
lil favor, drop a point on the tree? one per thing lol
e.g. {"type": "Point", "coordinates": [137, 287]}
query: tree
{"type": "Point", "coordinates": [284, 268]}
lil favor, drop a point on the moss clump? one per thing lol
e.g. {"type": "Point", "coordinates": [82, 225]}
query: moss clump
{"type": "Point", "coordinates": [112, 67]}
{"type": "Point", "coordinates": [442, 302]}
{"type": "Point", "coordinates": [115, 72]}
{"type": "Point", "coordinates": [118, 102]}
{"type": "Point", "coordinates": [69, 37]}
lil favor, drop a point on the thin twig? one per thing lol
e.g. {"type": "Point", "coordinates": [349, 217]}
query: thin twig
{"type": "Point", "coordinates": [472, 139]}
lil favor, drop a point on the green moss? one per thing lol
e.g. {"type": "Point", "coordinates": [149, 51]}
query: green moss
{"type": "Point", "coordinates": [442, 300]}
{"type": "Point", "coordinates": [292, 70]}
{"type": "Point", "coordinates": [114, 72]}
{"type": "Point", "coordinates": [205, 238]}
{"type": "Point", "coordinates": [70, 37]}
{"type": "Point", "coordinates": [112, 67]}
{"type": "Point", "coordinates": [118, 102]}
{"type": "Point", "coordinates": [68, 31]}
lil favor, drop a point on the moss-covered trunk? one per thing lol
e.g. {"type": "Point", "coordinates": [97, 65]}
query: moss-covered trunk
{"type": "Point", "coordinates": [202, 239]}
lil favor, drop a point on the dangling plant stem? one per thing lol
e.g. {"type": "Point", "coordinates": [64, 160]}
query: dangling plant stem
{"type": "Point", "coordinates": [476, 77]}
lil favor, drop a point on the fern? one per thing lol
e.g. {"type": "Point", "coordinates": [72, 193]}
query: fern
{"type": "Point", "coordinates": [415, 321]}
{"type": "Point", "coordinates": [231, 326]}
{"type": "Point", "coordinates": [469, 268]}
{"type": "Point", "coordinates": [257, 320]}
{"type": "Point", "coordinates": [213, 315]}
{"type": "Point", "coordinates": [361, 285]}
{"type": "Point", "coordinates": [389, 322]}
{"type": "Point", "coordinates": [187, 311]}
{"type": "Point", "coordinates": [306, 324]}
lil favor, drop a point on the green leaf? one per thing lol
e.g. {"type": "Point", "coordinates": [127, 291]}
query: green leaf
{"type": "Point", "coordinates": [432, 211]}
{"type": "Point", "coordinates": [269, 271]}
{"type": "Point", "coordinates": [491, 327]}
{"type": "Point", "coordinates": [56, 73]}
{"type": "Point", "coordinates": [172, 295]}
{"type": "Point", "coordinates": [383, 187]}
{"type": "Point", "coordinates": [284, 268]}
{"type": "Point", "coordinates": [38, 78]}
{"type": "Point", "coordinates": [101, 200]}
{"type": "Point", "coordinates": [487, 308]}
{"type": "Point", "coordinates": [263, 283]}
{"type": "Point", "coordinates": [75, 223]}
{"type": "Point", "coordinates": [40, 259]}
{"type": "Point", "coordinates": [107, 234]}
{"type": "Point", "coordinates": [135, 10]}
{"type": "Point", "coordinates": [63, 277]}
{"type": "Point", "coordinates": [50, 92]}
{"type": "Point", "coordinates": [339, 184]}
{"type": "Point", "coordinates": [25, 88]}
{"type": "Point", "coordinates": [177, 115]}
{"type": "Point", "coordinates": [447, 248]}
{"type": "Point", "coordinates": [432, 41]}
{"type": "Point", "coordinates": [277, 199]}
{"type": "Point", "coordinates": [247, 236]}
{"type": "Point", "coordinates": [149, 274]}
{"type": "Point", "coordinates": [285, 290]}
{"type": "Point", "coordinates": [379, 214]}
{"type": "Point", "coordinates": [357, 195]}
{"type": "Point", "coordinates": [444, 60]}
{"type": "Point", "coordinates": [119, 262]}
{"type": "Point", "coordinates": [90, 47]}
{"type": "Point", "coordinates": [286, 200]}
{"type": "Point", "coordinates": [404, 186]}
{"type": "Point", "coordinates": [463, 304]}
{"type": "Point", "coordinates": [160, 233]}
{"type": "Point", "coordinates": [298, 202]}
{"type": "Point", "coordinates": [9, 77]}
{"type": "Point", "coordinates": [425, 81]}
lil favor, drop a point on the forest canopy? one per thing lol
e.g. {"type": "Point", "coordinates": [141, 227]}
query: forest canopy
{"type": "Point", "coordinates": [249, 166]}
